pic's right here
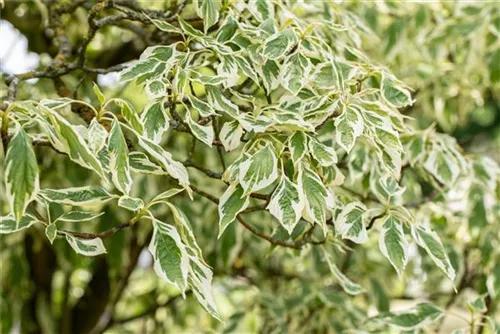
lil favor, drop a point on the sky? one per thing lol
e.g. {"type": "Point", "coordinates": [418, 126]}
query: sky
{"type": "Point", "coordinates": [15, 57]}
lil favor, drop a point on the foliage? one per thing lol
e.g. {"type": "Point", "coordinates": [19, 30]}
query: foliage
{"type": "Point", "coordinates": [261, 151]}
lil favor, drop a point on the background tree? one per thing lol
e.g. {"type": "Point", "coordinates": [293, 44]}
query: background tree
{"type": "Point", "coordinates": [260, 167]}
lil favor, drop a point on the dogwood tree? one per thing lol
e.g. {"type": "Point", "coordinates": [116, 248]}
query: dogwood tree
{"type": "Point", "coordinates": [270, 166]}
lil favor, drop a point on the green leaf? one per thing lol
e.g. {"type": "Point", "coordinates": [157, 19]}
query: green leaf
{"type": "Point", "coordinates": [261, 9]}
{"type": "Point", "coordinates": [323, 154]}
{"type": "Point", "coordinates": [203, 108]}
{"type": "Point", "coordinates": [429, 240]}
{"type": "Point", "coordinates": [58, 103]}
{"type": "Point", "coordinates": [230, 135]}
{"type": "Point", "coordinates": [51, 232]}
{"type": "Point", "coordinates": [479, 304]}
{"type": "Point", "coordinates": [164, 53]}
{"type": "Point", "coordinates": [332, 176]}
{"type": "Point", "coordinates": [271, 75]}
{"type": "Point", "coordinates": [97, 136]}
{"type": "Point", "coordinates": [98, 94]}
{"type": "Point", "coordinates": [220, 102]}
{"type": "Point", "coordinates": [348, 127]}
{"type": "Point", "coordinates": [384, 185]}
{"type": "Point", "coordinates": [78, 216]}
{"type": "Point", "coordinates": [290, 121]}
{"type": "Point", "coordinates": [80, 196]}
{"type": "Point", "coordinates": [392, 243]}
{"type": "Point", "coordinates": [129, 203]}
{"type": "Point", "coordinates": [395, 94]}
{"type": "Point", "coordinates": [103, 157]}
{"type": "Point", "coordinates": [231, 173]}
{"type": "Point", "coordinates": [140, 163]}
{"type": "Point", "coordinates": [317, 199]}
{"type": "Point", "coordinates": [279, 44]}
{"type": "Point", "coordinates": [259, 170]}
{"type": "Point", "coordinates": [118, 159]}
{"type": "Point", "coordinates": [495, 67]}
{"type": "Point", "coordinates": [138, 68]}
{"type": "Point", "coordinates": [205, 79]}
{"type": "Point", "coordinates": [204, 133]}
{"type": "Point", "coordinates": [155, 120]}
{"type": "Point", "coordinates": [165, 26]}
{"type": "Point", "coordinates": [92, 247]}
{"type": "Point", "coordinates": [180, 81]}
{"type": "Point", "coordinates": [72, 143]}
{"type": "Point", "coordinates": [442, 166]}
{"type": "Point", "coordinates": [286, 204]}
{"type": "Point", "coordinates": [257, 124]}
{"type": "Point", "coordinates": [128, 112]}
{"type": "Point", "coordinates": [207, 10]}
{"type": "Point", "coordinates": [416, 149]}
{"type": "Point", "coordinates": [347, 285]}
{"type": "Point", "coordinates": [190, 31]}
{"type": "Point", "coordinates": [493, 281]}
{"type": "Point", "coordinates": [245, 67]}
{"type": "Point", "coordinates": [9, 225]}
{"type": "Point", "coordinates": [417, 317]}
{"type": "Point", "coordinates": [350, 223]}
{"type": "Point", "coordinates": [167, 194]}
{"type": "Point", "coordinates": [186, 233]}
{"type": "Point", "coordinates": [328, 76]}
{"type": "Point", "coordinates": [200, 279]}
{"type": "Point", "coordinates": [381, 299]}
{"type": "Point", "coordinates": [296, 69]}
{"type": "Point", "coordinates": [228, 69]}
{"type": "Point", "coordinates": [21, 173]}
{"type": "Point", "coordinates": [394, 35]}
{"type": "Point", "coordinates": [297, 144]}
{"type": "Point", "coordinates": [231, 204]}
{"type": "Point", "coordinates": [171, 262]}
{"type": "Point", "coordinates": [174, 168]}
{"type": "Point", "coordinates": [155, 89]}
{"type": "Point", "coordinates": [227, 30]}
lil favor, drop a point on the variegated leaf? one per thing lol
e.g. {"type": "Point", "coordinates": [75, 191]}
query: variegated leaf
{"type": "Point", "coordinates": [155, 120]}
{"type": "Point", "coordinates": [118, 159]}
{"type": "Point", "coordinates": [392, 243]}
{"type": "Point", "coordinates": [348, 127]}
{"type": "Point", "coordinates": [232, 202]}
{"type": "Point", "coordinates": [171, 261]}
{"type": "Point", "coordinates": [204, 133]}
{"type": "Point", "coordinates": [350, 223]}
{"type": "Point", "coordinates": [230, 135]}
{"type": "Point", "coordinates": [21, 173]}
{"type": "Point", "coordinates": [87, 247]}
{"type": "Point", "coordinates": [286, 204]}
{"type": "Point", "coordinates": [259, 170]}
{"type": "Point", "coordinates": [430, 241]}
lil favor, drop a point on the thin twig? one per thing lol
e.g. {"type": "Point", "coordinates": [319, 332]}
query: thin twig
{"type": "Point", "coordinates": [104, 234]}
{"type": "Point", "coordinates": [295, 245]}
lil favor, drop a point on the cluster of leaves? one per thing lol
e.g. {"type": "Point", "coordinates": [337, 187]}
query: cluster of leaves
{"type": "Point", "coordinates": [317, 149]}
{"type": "Point", "coordinates": [454, 64]}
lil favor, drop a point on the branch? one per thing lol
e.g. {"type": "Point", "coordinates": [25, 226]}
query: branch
{"type": "Point", "coordinates": [295, 245]}
{"type": "Point", "coordinates": [266, 237]}
{"type": "Point", "coordinates": [207, 172]}
{"type": "Point", "coordinates": [106, 319]}
{"type": "Point", "coordinates": [60, 66]}
{"type": "Point", "coordinates": [104, 234]}
{"type": "Point", "coordinates": [372, 221]}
